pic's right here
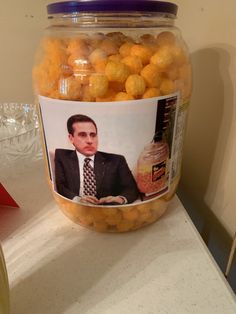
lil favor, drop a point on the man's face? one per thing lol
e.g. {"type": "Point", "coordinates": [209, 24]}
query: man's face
{"type": "Point", "coordinates": [85, 138]}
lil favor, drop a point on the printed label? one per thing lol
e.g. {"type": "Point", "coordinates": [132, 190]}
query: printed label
{"type": "Point", "coordinates": [111, 153]}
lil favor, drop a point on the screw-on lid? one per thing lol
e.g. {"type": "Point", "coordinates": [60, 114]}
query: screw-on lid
{"type": "Point", "coordinates": [112, 6]}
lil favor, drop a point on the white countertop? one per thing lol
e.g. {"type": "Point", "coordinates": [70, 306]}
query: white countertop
{"type": "Point", "coordinates": [56, 266]}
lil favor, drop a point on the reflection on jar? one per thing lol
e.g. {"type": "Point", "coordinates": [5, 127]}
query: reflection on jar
{"type": "Point", "coordinates": [152, 169]}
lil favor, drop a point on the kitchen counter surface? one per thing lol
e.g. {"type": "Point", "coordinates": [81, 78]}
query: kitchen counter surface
{"type": "Point", "coordinates": [56, 266]}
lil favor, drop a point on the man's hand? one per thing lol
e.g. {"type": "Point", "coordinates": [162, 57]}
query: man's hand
{"type": "Point", "coordinates": [111, 199]}
{"type": "Point", "coordinates": [89, 199]}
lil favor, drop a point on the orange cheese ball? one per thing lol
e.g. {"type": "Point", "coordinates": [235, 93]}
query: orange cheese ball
{"type": "Point", "coordinates": [69, 88]}
{"type": "Point", "coordinates": [100, 66]}
{"type": "Point", "coordinates": [167, 87]}
{"type": "Point", "coordinates": [109, 47]}
{"type": "Point", "coordinates": [133, 63]}
{"type": "Point", "coordinates": [143, 52]}
{"type": "Point", "coordinates": [97, 214]}
{"type": "Point", "coordinates": [166, 38]}
{"type": "Point", "coordinates": [113, 220]}
{"type": "Point", "coordinates": [130, 214]}
{"type": "Point", "coordinates": [163, 58]}
{"type": "Point", "coordinates": [118, 37]}
{"type": "Point", "coordinates": [125, 49]}
{"type": "Point", "coordinates": [116, 71]}
{"type": "Point", "coordinates": [135, 85]}
{"type": "Point", "coordinates": [100, 226]}
{"type": "Point", "coordinates": [185, 72]}
{"type": "Point", "coordinates": [123, 96]}
{"type": "Point", "coordinates": [150, 41]}
{"type": "Point", "coordinates": [179, 55]}
{"type": "Point", "coordinates": [98, 85]}
{"type": "Point", "coordinates": [173, 73]}
{"type": "Point", "coordinates": [152, 92]}
{"type": "Point", "coordinates": [124, 225]}
{"type": "Point", "coordinates": [97, 55]}
{"type": "Point", "coordinates": [86, 220]}
{"type": "Point", "coordinates": [151, 75]}
{"type": "Point", "coordinates": [109, 96]}
{"type": "Point", "coordinates": [117, 86]}
{"type": "Point", "coordinates": [79, 47]}
{"type": "Point", "coordinates": [115, 58]}
{"type": "Point", "coordinates": [86, 95]}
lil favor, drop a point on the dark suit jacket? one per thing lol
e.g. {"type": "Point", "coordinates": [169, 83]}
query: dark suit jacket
{"type": "Point", "coordinates": [113, 176]}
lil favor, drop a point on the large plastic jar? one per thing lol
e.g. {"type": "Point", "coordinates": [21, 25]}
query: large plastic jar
{"type": "Point", "coordinates": [4, 286]}
{"type": "Point", "coordinates": [113, 83]}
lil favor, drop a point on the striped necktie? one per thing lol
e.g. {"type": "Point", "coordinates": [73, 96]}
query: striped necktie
{"type": "Point", "coordinates": [89, 178]}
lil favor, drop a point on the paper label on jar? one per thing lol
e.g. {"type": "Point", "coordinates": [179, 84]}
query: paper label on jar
{"type": "Point", "coordinates": [110, 153]}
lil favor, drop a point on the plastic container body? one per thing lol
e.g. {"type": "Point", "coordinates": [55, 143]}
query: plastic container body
{"type": "Point", "coordinates": [4, 286]}
{"type": "Point", "coordinates": [130, 65]}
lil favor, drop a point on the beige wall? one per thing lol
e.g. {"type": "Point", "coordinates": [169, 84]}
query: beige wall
{"type": "Point", "coordinates": [209, 166]}
{"type": "Point", "coordinates": [208, 27]}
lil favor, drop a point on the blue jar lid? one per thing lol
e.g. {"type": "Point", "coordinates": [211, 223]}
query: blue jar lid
{"type": "Point", "coordinates": [112, 6]}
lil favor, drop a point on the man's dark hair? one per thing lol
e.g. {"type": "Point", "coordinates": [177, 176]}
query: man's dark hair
{"type": "Point", "coordinates": [78, 118]}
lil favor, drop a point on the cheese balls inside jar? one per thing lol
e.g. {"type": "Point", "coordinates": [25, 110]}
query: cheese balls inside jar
{"type": "Point", "coordinates": [112, 80]}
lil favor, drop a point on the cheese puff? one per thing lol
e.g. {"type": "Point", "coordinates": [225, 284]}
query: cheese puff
{"type": "Point", "coordinates": [53, 47]}
{"type": "Point", "coordinates": [115, 58]}
{"type": "Point", "coordinates": [117, 86]}
{"type": "Point", "coordinates": [115, 219]}
{"type": "Point", "coordinates": [100, 226]}
{"type": "Point", "coordinates": [124, 225]}
{"type": "Point", "coordinates": [151, 75]}
{"type": "Point", "coordinates": [97, 55]}
{"type": "Point", "coordinates": [97, 214]}
{"type": "Point", "coordinates": [185, 72]}
{"type": "Point", "coordinates": [109, 96]}
{"type": "Point", "coordinates": [179, 55]}
{"type": "Point", "coordinates": [163, 58]}
{"type": "Point", "coordinates": [96, 39]}
{"type": "Point", "coordinates": [134, 64]}
{"type": "Point", "coordinates": [143, 52]}
{"type": "Point", "coordinates": [143, 208]}
{"type": "Point", "coordinates": [131, 214]}
{"type": "Point", "coordinates": [110, 211]}
{"type": "Point", "coordinates": [117, 37]}
{"type": "Point", "coordinates": [125, 49]}
{"type": "Point", "coordinates": [172, 73]}
{"type": "Point", "coordinates": [82, 77]}
{"type": "Point", "coordinates": [167, 87]}
{"type": "Point", "coordinates": [109, 47]}
{"type": "Point", "coordinates": [98, 85]}
{"type": "Point", "coordinates": [78, 46]}
{"type": "Point", "coordinates": [149, 40]}
{"type": "Point", "coordinates": [86, 96]}
{"type": "Point", "coordinates": [116, 71]}
{"type": "Point", "coordinates": [86, 220]}
{"type": "Point", "coordinates": [69, 88]}
{"type": "Point", "coordinates": [145, 217]}
{"type": "Point", "coordinates": [152, 92]}
{"type": "Point", "coordinates": [135, 85]}
{"type": "Point", "coordinates": [79, 63]}
{"type": "Point", "coordinates": [123, 96]}
{"type": "Point", "coordinates": [166, 38]}
{"type": "Point", "coordinates": [100, 66]}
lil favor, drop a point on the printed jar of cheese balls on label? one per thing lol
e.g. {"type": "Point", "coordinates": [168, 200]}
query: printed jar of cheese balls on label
{"type": "Point", "coordinates": [113, 87]}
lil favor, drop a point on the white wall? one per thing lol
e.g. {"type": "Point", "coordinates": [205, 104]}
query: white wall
{"type": "Point", "coordinates": [209, 166]}
{"type": "Point", "coordinates": [208, 27]}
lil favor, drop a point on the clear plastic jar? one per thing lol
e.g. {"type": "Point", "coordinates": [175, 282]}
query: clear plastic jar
{"type": "Point", "coordinates": [115, 63]}
{"type": "Point", "coordinates": [4, 286]}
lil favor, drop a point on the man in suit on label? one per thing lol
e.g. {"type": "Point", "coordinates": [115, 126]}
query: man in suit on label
{"type": "Point", "coordinates": [88, 175]}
